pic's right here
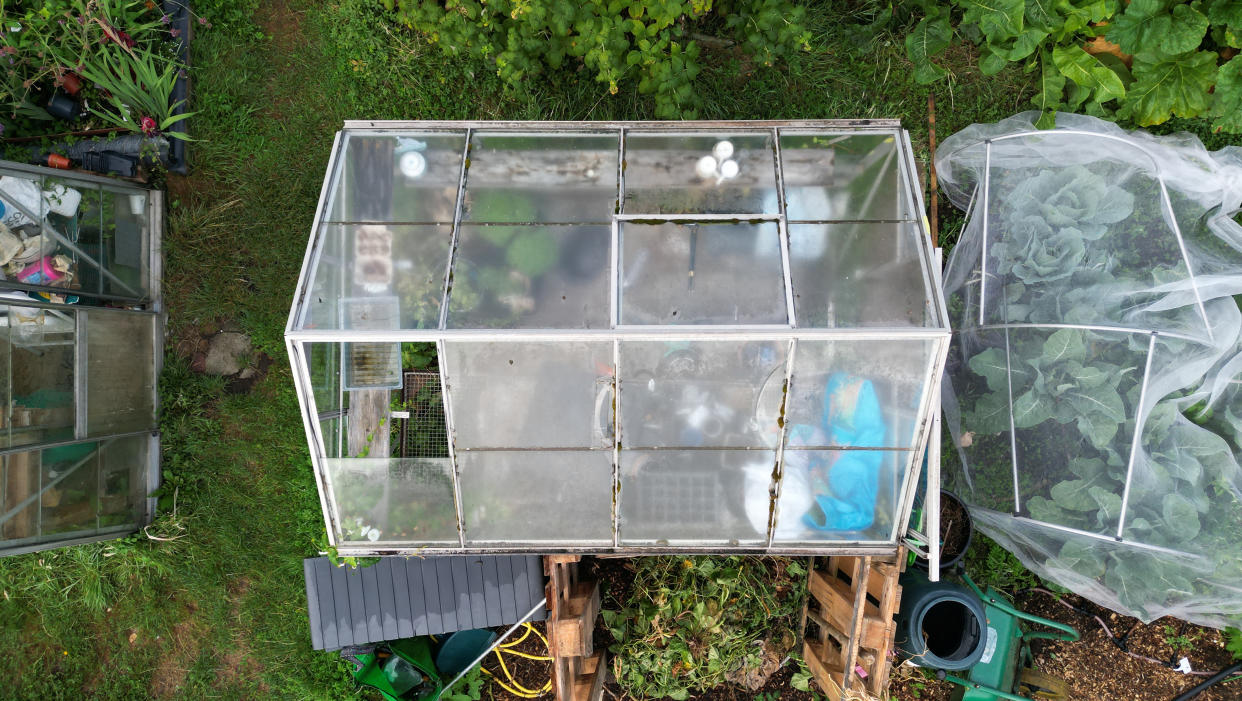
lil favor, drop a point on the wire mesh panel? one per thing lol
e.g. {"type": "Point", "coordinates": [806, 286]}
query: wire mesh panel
{"type": "Point", "coordinates": [424, 432]}
{"type": "Point", "coordinates": [617, 310]}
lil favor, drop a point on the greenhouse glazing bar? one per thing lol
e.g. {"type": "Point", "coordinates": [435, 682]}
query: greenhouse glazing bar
{"type": "Point", "coordinates": [456, 231]}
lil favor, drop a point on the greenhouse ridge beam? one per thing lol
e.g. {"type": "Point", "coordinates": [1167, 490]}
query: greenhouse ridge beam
{"type": "Point", "coordinates": [848, 125]}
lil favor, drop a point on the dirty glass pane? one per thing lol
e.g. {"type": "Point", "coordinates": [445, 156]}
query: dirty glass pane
{"type": "Point", "coordinates": [393, 500]}
{"type": "Point", "coordinates": [19, 491]}
{"type": "Point", "coordinates": [387, 178]}
{"type": "Point", "coordinates": [541, 178]}
{"type": "Point", "coordinates": [858, 274]}
{"type": "Point", "coordinates": [71, 481]}
{"type": "Point", "coordinates": [835, 495]}
{"type": "Point", "coordinates": [701, 394]}
{"type": "Point", "coordinates": [530, 395]}
{"type": "Point", "coordinates": [857, 394]}
{"type": "Point", "coordinates": [534, 496]}
{"type": "Point", "coordinates": [843, 177]}
{"type": "Point", "coordinates": [695, 497]}
{"type": "Point", "coordinates": [124, 245]}
{"type": "Point", "coordinates": [700, 174]}
{"type": "Point", "coordinates": [401, 266]}
{"type": "Point", "coordinates": [531, 277]}
{"type": "Point", "coordinates": [75, 210]}
{"type": "Point", "coordinates": [690, 274]}
{"type": "Point", "coordinates": [123, 481]}
{"type": "Point", "coordinates": [324, 361]}
{"type": "Point", "coordinates": [120, 372]}
{"type": "Point", "coordinates": [39, 344]}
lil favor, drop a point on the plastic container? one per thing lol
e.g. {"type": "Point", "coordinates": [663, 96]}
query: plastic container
{"type": "Point", "coordinates": [18, 193]}
{"type": "Point", "coordinates": [940, 625]}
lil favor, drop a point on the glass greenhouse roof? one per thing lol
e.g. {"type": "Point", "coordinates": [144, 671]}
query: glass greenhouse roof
{"type": "Point", "coordinates": [639, 329]}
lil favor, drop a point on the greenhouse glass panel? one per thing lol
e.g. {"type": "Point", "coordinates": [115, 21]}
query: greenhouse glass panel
{"type": "Point", "coordinates": [700, 174]}
{"type": "Point", "coordinates": [844, 177]}
{"type": "Point", "coordinates": [683, 273]}
{"type": "Point", "coordinates": [542, 277]}
{"type": "Point", "coordinates": [410, 179]}
{"type": "Point", "coordinates": [542, 178]}
{"type": "Point", "coordinates": [514, 497]}
{"type": "Point", "coordinates": [859, 274]}
{"type": "Point", "coordinates": [81, 341]}
{"type": "Point", "coordinates": [575, 337]}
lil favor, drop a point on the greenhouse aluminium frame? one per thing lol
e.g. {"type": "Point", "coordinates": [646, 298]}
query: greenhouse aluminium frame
{"type": "Point", "coordinates": [934, 332]}
{"type": "Point", "coordinates": [90, 431]}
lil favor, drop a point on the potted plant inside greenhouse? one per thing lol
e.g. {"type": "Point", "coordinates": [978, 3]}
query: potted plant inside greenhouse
{"type": "Point", "coordinates": [600, 382]}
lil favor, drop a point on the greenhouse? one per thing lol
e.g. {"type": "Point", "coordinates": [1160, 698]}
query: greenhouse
{"type": "Point", "coordinates": [1091, 387]}
{"type": "Point", "coordinates": [81, 344]}
{"type": "Point", "coordinates": [626, 337]}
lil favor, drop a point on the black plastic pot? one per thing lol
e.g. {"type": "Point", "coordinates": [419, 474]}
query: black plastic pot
{"type": "Point", "coordinates": [62, 106]}
{"type": "Point", "coordinates": [956, 557]}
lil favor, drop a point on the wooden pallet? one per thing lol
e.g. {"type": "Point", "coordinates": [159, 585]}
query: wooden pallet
{"type": "Point", "coordinates": [578, 670]}
{"type": "Point", "coordinates": [852, 602]}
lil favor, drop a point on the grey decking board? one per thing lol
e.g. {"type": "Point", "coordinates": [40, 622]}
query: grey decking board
{"type": "Point", "coordinates": [322, 569]}
{"type": "Point", "coordinates": [478, 605]}
{"type": "Point", "coordinates": [461, 592]}
{"type": "Point", "coordinates": [491, 592]}
{"type": "Point", "coordinates": [340, 596]}
{"type": "Point", "coordinates": [418, 603]}
{"type": "Point", "coordinates": [521, 591]}
{"type": "Point", "coordinates": [431, 589]}
{"type": "Point", "coordinates": [508, 606]}
{"type": "Point", "coordinates": [401, 599]}
{"type": "Point", "coordinates": [448, 597]}
{"type": "Point", "coordinates": [387, 601]}
{"type": "Point", "coordinates": [314, 605]}
{"type": "Point", "coordinates": [370, 599]}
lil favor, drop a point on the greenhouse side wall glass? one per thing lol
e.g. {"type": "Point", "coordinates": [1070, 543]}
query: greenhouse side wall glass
{"type": "Point", "coordinates": [81, 340]}
{"type": "Point", "coordinates": [633, 337]}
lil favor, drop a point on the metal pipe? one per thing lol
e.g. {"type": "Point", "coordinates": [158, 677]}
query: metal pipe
{"type": "Point", "coordinates": [1136, 439]}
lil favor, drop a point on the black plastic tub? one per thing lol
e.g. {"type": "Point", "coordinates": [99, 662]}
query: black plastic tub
{"type": "Point", "coordinates": [182, 19]}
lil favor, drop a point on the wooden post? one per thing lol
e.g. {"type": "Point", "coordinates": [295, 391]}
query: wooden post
{"type": "Point", "coordinates": [578, 670]}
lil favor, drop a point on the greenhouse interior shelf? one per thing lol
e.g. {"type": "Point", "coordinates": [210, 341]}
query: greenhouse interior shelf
{"type": "Point", "coordinates": [632, 337]}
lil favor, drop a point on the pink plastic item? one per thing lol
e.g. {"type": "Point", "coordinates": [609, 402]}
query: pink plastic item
{"type": "Point", "coordinates": [40, 272]}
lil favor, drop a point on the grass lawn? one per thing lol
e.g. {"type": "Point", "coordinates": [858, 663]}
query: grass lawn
{"type": "Point", "coordinates": [217, 609]}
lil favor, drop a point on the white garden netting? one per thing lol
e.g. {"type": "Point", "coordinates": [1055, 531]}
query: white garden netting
{"type": "Point", "coordinates": [1094, 387]}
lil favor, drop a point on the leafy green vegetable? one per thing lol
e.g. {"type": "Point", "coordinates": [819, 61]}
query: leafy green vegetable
{"type": "Point", "coordinates": [1170, 85]}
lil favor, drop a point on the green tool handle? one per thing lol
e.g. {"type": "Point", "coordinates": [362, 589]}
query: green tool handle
{"type": "Point", "coordinates": [1068, 633]}
{"type": "Point", "coordinates": [989, 689]}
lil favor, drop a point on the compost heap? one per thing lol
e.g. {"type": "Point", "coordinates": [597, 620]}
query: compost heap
{"type": "Point", "coordinates": [1094, 388]}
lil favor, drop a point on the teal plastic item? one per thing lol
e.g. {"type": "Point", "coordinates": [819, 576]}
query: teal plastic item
{"type": "Point", "coordinates": [845, 485]}
{"type": "Point", "coordinates": [941, 625]}
{"type": "Point", "coordinates": [460, 649]}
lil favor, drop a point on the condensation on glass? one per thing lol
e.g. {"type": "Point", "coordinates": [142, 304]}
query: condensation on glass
{"type": "Point", "coordinates": [80, 346]}
{"type": "Point", "coordinates": [649, 337]}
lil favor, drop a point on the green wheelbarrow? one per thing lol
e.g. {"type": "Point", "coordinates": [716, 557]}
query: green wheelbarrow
{"type": "Point", "coordinates": [975, 639]}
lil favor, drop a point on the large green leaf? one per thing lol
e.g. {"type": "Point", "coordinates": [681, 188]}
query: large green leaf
{"type": "Point", "coordinates": [1181, 519]}
{"type": "Point", "coordinates": [991, 414]}
{"type": "Point", "coordinates": [1071, 495]}
{"type": "Point", "coordinates": [1166, 86]}
{"type": "Point", "coordinates": [1063, 346]}
{"type": "Point", "coordinates": [1043, 14]}
{"type": "Point", "coordinates": [1049, 92]}
{"type": "Point", "coordinates": [1098, 429]}
{"type": "Point", "coordinates": [931, 36]}
{"type": "Point", "coordinates": [1225, 12]}
{"type": "Point", "coordinates": [1141, 27]}
{"type": "Point", "coordinates": [1109, 503]}
{"type": "Point", "coordinates": [997, 19]}
{"type": "Point", "coordinates": [991, 365]}
{"type": "Point", "coordinates": [1025, 44]}
{"type": "Point", "coordinates": [1081, 558]}
{"type": "Point", "coordinates": [1186, 31]}
{"type": "Point", "coordinates": [1083, 68]}
{"type": "Point", "coordinates": [1227, 100]}
{"type": "Point", "coordinates": [1030, 409]}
